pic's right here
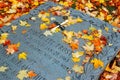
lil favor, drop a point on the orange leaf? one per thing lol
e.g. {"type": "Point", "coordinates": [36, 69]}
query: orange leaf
{"type": "Point", "coordinates": [96, 42]}
{"type": "Point", "coordinates": [31, 74]}
{"type": "Point", "coordinates": [74, 45]}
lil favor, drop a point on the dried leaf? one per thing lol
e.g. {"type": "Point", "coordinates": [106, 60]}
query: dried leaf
{"type": "Point", "coordinates": [31, 74]}
{"type": "Point", "coordinates": [43, 26]}
{"type": "Point", "coordinates": [78, 69]}
{"type": "Point", "coordinates": [3, 68]}
{"type": "Point", "coordinates": [67, 78]}
{"type": "Point", "coordinates": [74, 45]}
{"type": "Point", "coordinates": [22, 55]}
{"type": "Point", "coordinates": [23, 23]}
{"type": "Point", "coordinates": [97, 63]}
{"type": "Point", "coordinates": [22, 74]}
{"type": "Point", "coordinates": [12, 48]}
{"type": "Point", "coordinates": [88, 47]}
{"type": "Point", "coordinates": [47, 33]}
{"type": "Point", "coordinates": [75, 59]}
{"type": "Point", "coordinates": [89, 37]}
{"type": "Point", "coordinates": [3, 37]}
{"type": "Point", "coordinates": [77, 54]}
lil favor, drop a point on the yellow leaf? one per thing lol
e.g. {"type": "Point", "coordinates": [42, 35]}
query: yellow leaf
{"type": "Point", "coordinates": [14, 27]}
{"type": "Point", "coordinates": [89, 5]}
{"type": "Point", "coordinates": [74, 59]}
{"type": "Point", "coordinates": [60, 79]}
{"type": "Point", "coordinates": [43, 26]}
{"type": "Point", "coordinates": [23, 23]}
{"type": "Point", "coordinates": [3, 38]}
{"type": "Point", "coordinates": [89, 37]}
{"type": "Point", "coordinates": [101, 1]}
{"type": "Point", "coordinates": [22, 55]}
{"type": "Point", "coordinates": [106, 29]}
{"type": "Point", "coordinates": [22, 74]}
{"type": "Point", "coordinates": [109, 17]}
{"type": "Point", "coordinates": [77, 54]}
{"type": "Point", "coordinates": [18, 44]}
{"type": "Point", "coordinates": [79, 19]}
{"type": "Point", "coordinates": [44, 19]}
{"type": "Point", "coordinates": [78, 69]}
{"type": "Point", "coordinates": [36, 3]}
{"type": "Point", "coordinates": [67, 78]}
{"type": "Point", "coordinates": [97, 63]}
{"type": "Point", "coordinates": [3, 68]}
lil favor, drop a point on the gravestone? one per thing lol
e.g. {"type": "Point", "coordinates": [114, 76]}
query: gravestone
{"type": "Point", "coordinates": [48, 56]}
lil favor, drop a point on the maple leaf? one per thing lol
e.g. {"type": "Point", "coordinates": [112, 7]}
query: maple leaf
{"type": "Point", "coordinates": [101, 1]}
{"type": "Point", "coordinates": [12, 48]}
{"type": "Point", "coordinates": [22, 55]}
{"type": "Point", "coordinates": [106, 29]}
{"type": "Point", "coordinates": [31, 74]}
{"type": "Point", "coordinates": [75, 59]}
{"type": "Point", "coordinates": [14, 28]}
{"type": "Point", "coordinates": [74, 45]}
{"type": "Point", "coordinates": [43, 26]}
{"type": "Point", "coordinates": [89, 5]}
{"type": "Point", "coordinates": [97, 63]}
{"type": "Point", "coordinates": [22, 74]}
{"type": "Point", "coordinates": [68, 34]}
{"type": "Point", "coordinates": [89, 37]}
{"type": "Point", "coordinates": [23, 23]}
{"type": "Point", "coordinates": [77, 54]}
{"type": "Point", "coordinates": [47, 33]}
{"type": "Point", "coordinates": [7, 42]}
{"type": "Point", "coordinates": [67, 78]}
{"type": "Point", "coordinates": [78, 69]}
{"type": "Point", "coordinates": [88, 47]}
{"type": "Point", "coordinates": [3, 37]}
{"type": "Point", "coordinates": [3, 68]}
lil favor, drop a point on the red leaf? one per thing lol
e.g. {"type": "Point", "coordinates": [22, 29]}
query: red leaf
{"type": "Point", "coordinates": [7, 42]}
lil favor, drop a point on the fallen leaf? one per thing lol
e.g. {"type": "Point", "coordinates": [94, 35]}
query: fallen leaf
{"type": "Point", "coordinates": [89, 37]}
{"type": "Point", "coordinates": [77, 54]}
{"type": "Point", "coordinates": [47, 33]}
{"type": "Point", "coordinates": [14, 28]}
{"type": "Point", "coordinates": [67, 78]}
{"type": "Point", "coordinates": [43, 26]}
{"type": "Point", "coordinates": [75, 59]}
{"type": "Point", "coordinates": [22, 74]}
{"type": "Point", "coordinates": [3, 37]}
{"type": "Point", "coordinates": [23, 23]}
{"type": "Point", "coordinates": [24, 31]}
{"type": "Point", "coordinates": [3, 68]}
{"type": "Point", "coordinates": [78, 69]}
{"type": "Point", "coordinates": [7, 42]}
{"type": "Point", "coordinates": [12, 48]}
{"type": "Point", "coordinates": [31, 74]}
{"type": "Point", "coordinates": [97, 63]}
{"type": "Point", "coordinates": [22, 55]}
{"type": "Point", "coordinates": [88, 47]}
{"type": "Point", "coordinates": [74, 45]}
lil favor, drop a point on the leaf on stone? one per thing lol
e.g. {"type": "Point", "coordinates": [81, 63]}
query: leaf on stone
{"type": "Point", "coordinates": [31, 74]}
{"type": "Point", "coordinates": [78, 69]}
{"type": "Point", "coordinates": [22, 55]}
{"type": "Point", "coordinates": [22, 74]}
{"type": "Point", "coordinates": [3, 68]}
{"type": "Point", "coordinates": [97, 63]}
